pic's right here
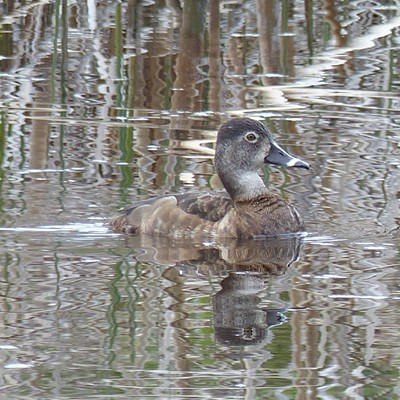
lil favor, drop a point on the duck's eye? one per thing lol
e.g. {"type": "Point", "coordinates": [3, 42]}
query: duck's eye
{"type": "Point", "coordinates": [251, 137]}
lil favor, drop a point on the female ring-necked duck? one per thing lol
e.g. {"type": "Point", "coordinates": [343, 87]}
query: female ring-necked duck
{"type": "Point", "coordinates": [247, 210]}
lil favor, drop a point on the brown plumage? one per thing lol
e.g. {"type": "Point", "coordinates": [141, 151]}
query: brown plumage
{"type": "Point", "coordinates": [246, 210]}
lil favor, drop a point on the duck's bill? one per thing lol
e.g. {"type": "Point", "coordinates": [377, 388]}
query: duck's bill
{"type": "Point", "coordinates": [278, 156]}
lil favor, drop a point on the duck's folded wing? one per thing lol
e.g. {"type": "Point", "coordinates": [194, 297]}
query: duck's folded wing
{"type": "Point", "coordinates": [168, 215]}
{"type": "Point", "coordinates": [209, 206]}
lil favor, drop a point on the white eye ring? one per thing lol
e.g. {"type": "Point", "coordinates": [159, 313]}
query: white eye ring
{"type": "Point", "coordinates": [251, 137]}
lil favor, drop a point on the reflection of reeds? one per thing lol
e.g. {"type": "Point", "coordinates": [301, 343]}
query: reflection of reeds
{"type": "Point", "coordinates": [39, 139]}
{"type": "Point", "coordinates": [2, 138]}
{"type": "Point", "coordinates": [135, 83]}
{"type": "Point", "coordinates": [2, 156]}
{"type": "Point", "coordinates": [130, 88]}
{"type": "Point", "coordinates": [187, 86]}
{"type": "Point", "coordinates": [214, 56]}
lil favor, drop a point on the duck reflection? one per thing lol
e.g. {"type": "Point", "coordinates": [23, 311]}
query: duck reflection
{"type": "Point", "coordinates": [269, 256]}
{"type": "Point", "coordinates": [244, 267]}
{"type": "Point", "coordinates": [238, 319]}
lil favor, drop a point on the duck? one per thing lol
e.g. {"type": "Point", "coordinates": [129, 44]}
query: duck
{"type": "Point", "coordinates": [246, 209]}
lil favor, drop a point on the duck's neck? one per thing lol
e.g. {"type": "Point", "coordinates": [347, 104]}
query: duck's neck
{"type": "Point", "coordinates": [243, 185]}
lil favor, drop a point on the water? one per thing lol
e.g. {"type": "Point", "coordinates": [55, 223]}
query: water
{"type": "Point", "coordinates": [105, 103]}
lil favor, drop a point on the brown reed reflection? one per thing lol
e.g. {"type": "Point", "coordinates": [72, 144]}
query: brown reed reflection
{"type": "Point", "coordinates": [186, 95]}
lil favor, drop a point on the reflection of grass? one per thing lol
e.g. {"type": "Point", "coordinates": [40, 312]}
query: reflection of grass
{"type": "Point", "coordinates": [124, 303]}
{"type": "Point", "coordinates": [125, 136]}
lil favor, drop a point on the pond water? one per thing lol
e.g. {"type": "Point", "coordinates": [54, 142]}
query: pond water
{"type": "Point", "coordinates": [103, 103]}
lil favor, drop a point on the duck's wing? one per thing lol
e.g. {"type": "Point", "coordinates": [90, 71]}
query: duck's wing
{"type": "Point", "coordinates": [209, 206]}
{"type": "Point", "coordinates": [168, 213]}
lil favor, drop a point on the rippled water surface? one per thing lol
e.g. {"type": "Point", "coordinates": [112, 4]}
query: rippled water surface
{"type": "Point", "coordinates": [104, 103]}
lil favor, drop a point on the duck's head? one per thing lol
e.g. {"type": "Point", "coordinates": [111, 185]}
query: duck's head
{"type": "Point", "coordinates": [243, 146]}
{"type": "Point", "coordinates": [248, 144]}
